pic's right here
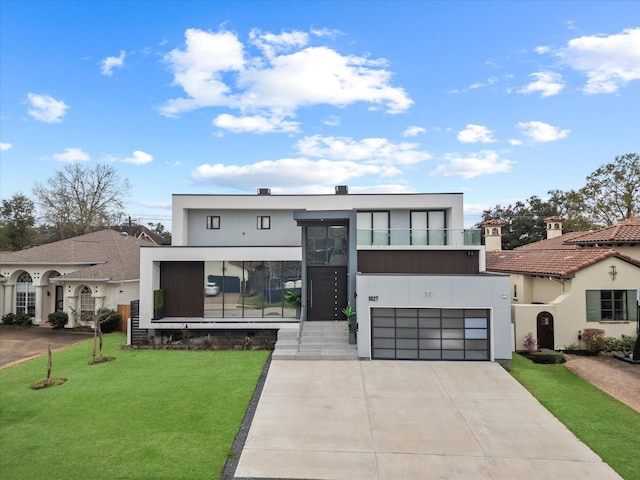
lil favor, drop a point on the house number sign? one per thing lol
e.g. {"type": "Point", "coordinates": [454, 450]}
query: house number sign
{"type": "Point", "coordinates": [373, 298]}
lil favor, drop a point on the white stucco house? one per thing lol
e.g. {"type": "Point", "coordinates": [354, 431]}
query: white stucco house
{"type": "Point", "coordinates": [78, 276]}
{"type": "Point", "coordinates": [570, 282]}
{"type": "Point", "coordinates": [404, 262]}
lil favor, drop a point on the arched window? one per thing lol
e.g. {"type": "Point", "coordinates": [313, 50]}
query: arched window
{"type": "Point", "coordinates": [87, 304]}
{"type": "Point", "coordinates": [494, 231]}
{"type": "Point", "coordinates": [25, 295]}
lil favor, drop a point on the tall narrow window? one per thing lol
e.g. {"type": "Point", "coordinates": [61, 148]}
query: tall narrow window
{"type": "Point", "coordinates": [87, 304]}
{"type": "Point", "coordinates": [213, 222]}
{"type": "Point", "coordinates": [264, 223]}
{"type": "Point", "coordinates": [25, 295]}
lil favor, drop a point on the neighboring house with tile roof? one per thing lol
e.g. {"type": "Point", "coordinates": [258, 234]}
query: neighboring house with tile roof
{"type": "Point", "coordinates": [567, 283]}
{"type": "Point", "coordinates": [77, 275]}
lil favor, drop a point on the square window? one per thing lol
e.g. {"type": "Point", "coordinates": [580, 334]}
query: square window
{"type": "Point", "coordinates": [213, 222]}
{"type": "Point", "coordinates": [264, 223]}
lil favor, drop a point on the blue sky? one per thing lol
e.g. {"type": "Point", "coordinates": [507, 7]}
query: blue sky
{"type": "Point", "coordinates": [498, 100]}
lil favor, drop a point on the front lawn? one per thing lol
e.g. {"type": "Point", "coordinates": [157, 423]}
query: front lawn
{"type": "Point", "coordinates": [610, 428]}
{"type": "Point", "coordinates": [150, 414]}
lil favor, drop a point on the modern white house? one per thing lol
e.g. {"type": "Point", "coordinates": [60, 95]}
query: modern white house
{"type": "Point", "coordinates": [78, 276]}
{"type": "Point", "coordinates": [571, 282]}
{"type": "Point", "coordinates": [404, 262]}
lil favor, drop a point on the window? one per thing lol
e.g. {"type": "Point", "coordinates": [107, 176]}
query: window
{"type": "Point", "coordinates": [428, 228]}
{"type": "Point", "coordinates": [373, 228]}
{"type": "Point", "coordinates": [87, 305]}
{"type": "Point", "coordinates": [611, 305]}
{"type": "Point", "coordinates": [264, 222]}
{"type": "Point", "coordinates": [213, 222]}
{"type": "Point", "coordinates": [25, 295]}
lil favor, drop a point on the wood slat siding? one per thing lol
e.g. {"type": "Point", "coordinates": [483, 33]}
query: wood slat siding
{"type": "Point", "coordinates": [125, 312]}
{"type": "Point", "coordinates": [418, 261]}
{"type": "Point", "coordinates": [183, 285]}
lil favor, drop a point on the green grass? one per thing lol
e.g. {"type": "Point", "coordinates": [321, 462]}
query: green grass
{"type": "Point", "coordinates": [150, 414]}
{"type": "Point", "coordinates": [610, 428]}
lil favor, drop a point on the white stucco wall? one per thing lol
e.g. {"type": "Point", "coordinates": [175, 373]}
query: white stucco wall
{"type": "Point", "coordinates": [445, 291]}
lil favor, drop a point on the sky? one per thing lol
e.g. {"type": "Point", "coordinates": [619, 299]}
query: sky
{"type": "Point", "coordinates": [497, 100]}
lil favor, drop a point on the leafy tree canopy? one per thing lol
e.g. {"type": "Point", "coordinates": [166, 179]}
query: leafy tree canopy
{"type": "Point", "coordinates": [17, 219]}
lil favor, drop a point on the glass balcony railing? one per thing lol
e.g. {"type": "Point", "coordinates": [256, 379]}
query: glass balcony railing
{"type": "Point", "coordinates": [419, 237]}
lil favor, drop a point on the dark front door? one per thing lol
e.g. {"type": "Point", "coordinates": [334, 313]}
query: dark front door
{"type": "Point", "coordinates": [545, 330]}
{"type": "Point", "coordinates": [59, 298]}
{"type": "Point", "coordinates": [326, 292]}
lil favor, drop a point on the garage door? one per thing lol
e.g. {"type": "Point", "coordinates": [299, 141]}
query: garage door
{"type": "Point", "coordinates": [430, 334]}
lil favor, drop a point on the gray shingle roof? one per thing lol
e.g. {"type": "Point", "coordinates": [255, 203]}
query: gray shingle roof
{"type": "Point", "coordinates": [103, 255]}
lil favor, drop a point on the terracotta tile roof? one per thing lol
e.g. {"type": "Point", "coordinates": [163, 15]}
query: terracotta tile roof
{"type": "Point", "coordinates": [553, 218]}
{"type": "Point", "coordinates": [103, 255]}
{"type": "Point", "coordinates": [558, 263]}
{"type": "Point", "coordinates": [493, 221]}
{"type": "Point", "coordinates": [624, 232]}
{"type": "Point", "coordinates": [558, 243]}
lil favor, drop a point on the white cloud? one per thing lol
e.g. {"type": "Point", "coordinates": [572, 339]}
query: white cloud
{"type": "Point", "coordinates": [608, 61]}
{"type": "Point", "coordinates": [72, 155]}
{"type": "Point", "coordinates": [153, 204]}
{"type": "Point", "coordinates": [109, 63]}
{"type": "Point", "coordinates": [369, 150]}
{"type": "Point", "coordinates": [542, 49]}
{"type": "Point", "coordinates": [413, 131]}
{"type": "Point", "coordinates": [46, 108]}
{"type": "Point", "coordinates": [490, 81]}
{"type": "Point", "coordinates": [515, 142]}
{"type": "Point", "coordinates": [254, 124]}
{"type": "Point", "coordinates": [285, 173]}
{"type": "Point", "coordinates": [547, 83]}
{"type": "Point", "coordinates": [475, 134]}
{"type": "Point", "coordinates": [332, 121]}
{"type": "Point", "coordinates": [5, 146]}
{"type": "Point", "coordinates": [286, 74]}
{"type": "Point", "coordinates": [174, 164]}
{"type": "Point", "coordinates": [486, 162]}
{"type": "Point", "coordinates": [542, 132]}
{"type": "Point", "coordinates": [138, 158]}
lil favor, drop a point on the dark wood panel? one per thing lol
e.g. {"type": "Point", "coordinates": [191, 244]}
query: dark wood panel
{"type": "Point", "coordinates": [455, 262]}
{"type": "Point", "coordinates": [326, 292]}
{"type": "Point", "coordinates": [183, 285]}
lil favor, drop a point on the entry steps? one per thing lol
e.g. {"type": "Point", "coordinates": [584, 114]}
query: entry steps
{"type": "Point", "coordinates": [320, 341]}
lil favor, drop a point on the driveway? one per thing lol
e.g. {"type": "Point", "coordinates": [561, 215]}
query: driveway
{"type": "Point", "coordinates": [19, 344]}
{"type": "Point", "coordinates": [407, 420]}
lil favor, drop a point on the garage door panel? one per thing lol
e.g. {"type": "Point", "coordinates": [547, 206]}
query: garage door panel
{"type": "Point", "coordinates": [430, 334]}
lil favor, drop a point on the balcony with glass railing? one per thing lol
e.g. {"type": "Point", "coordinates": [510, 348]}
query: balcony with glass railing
{"type": "Point", "coordinates": [418, 237]}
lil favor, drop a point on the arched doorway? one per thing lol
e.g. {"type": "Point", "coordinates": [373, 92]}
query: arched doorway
{"type": "Point", "coordinates": [544, 332]}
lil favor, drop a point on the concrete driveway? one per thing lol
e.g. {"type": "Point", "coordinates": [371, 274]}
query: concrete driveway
{"type": "Point", "coordinates": [407, 420]}
{"type": "Point", "coordinates": [19, 344]}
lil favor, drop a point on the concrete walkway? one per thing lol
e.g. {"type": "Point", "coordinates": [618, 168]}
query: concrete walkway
{"type": "Point", "coordinates": [407, 420]}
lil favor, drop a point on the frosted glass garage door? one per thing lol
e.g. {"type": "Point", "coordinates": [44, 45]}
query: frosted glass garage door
{"type": "Point", "coordinates": [430, 334]}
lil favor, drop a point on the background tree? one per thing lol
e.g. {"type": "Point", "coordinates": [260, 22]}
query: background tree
{"type": "Point", "coordinates": [79, 199]}
{"type": "Point", "coordinates": [612, 192]}
{"type": "Point", "coordinates": [17, 222]}
{"type": "Point", "coordinates": [524, 221]}
{"type": "Point", "coordinates": [160, 230]}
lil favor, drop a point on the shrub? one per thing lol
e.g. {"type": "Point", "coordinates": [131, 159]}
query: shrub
{"type": "Point", "coordinates": [624, 344]}
{"type": "Point", "coordinates": [530, 342]}
{"type": "Point", "coordinates": [22, 319]}
{"type": "Point", "coordinates": [548, 356]}
{"type": "Point", "coordinates": [593, 339]}
{"type": "Point", "coordinates": [109, 320]}
{"type": "Point", "coordinates": [8, 319]}
{"type": "Point", "coordinates": [58, 319]}
{"type": "Point", "coordinates": [571, 348]}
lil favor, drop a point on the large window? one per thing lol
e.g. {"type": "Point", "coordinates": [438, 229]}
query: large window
{"type": "Point", "coordinates": [327, 245]}
{"type": "Point", "coordinates": [250, 289]}
{"type": "Point", "coordinates": [428, 227]}
{"type": "Point", "coordinates": [611, 305]}
{"type": "Point", "coordinates": [25, 295]}
{"type": "Point", "coordinates": [373, 228]}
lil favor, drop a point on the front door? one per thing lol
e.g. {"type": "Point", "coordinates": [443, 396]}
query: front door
{"type": "Point", "coordinates": [545, 330]}
{"type": "Point", "coordinates": [59, 298]}
{"type": "Point", "coordinates": [326, 292]}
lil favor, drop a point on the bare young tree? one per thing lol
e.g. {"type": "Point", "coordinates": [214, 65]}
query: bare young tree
{"type": "Point", "coordinates": [80, 199]}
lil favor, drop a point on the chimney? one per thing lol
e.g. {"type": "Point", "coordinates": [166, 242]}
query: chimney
{"type": "Point", "coordinates": [264, 191]}
{"type": "Point", "coordinates": [342, 190]}
{"type": "Point", "coordinates": [493, 234]}
{"type": "Point", "coordinates": [554, 226]}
